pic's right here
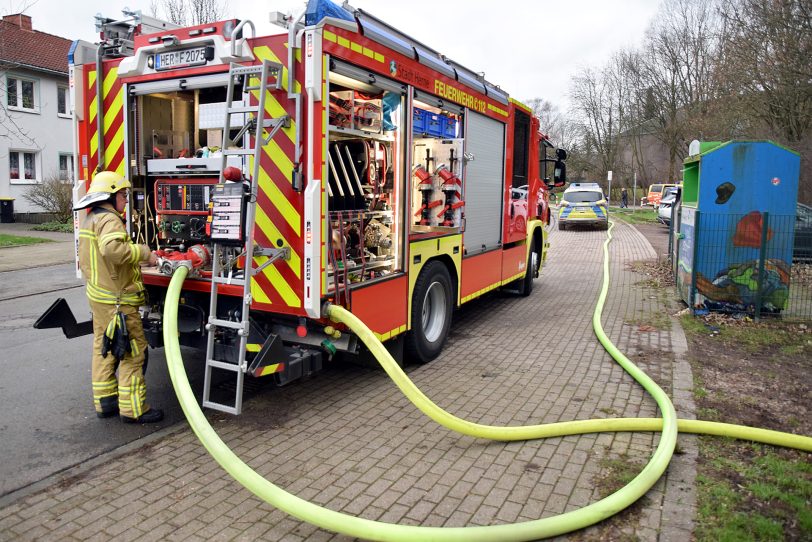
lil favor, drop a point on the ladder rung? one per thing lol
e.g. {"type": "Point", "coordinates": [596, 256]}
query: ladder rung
{"type": "Point", "coordinates": [238, 152]}
{"type": "Point", "coordinates": [245, 70]}
{"type": "Point", "coordinates": [223, 365]}
{"type": "Point", "coordinates": [221, 407]}
{"type": "Point", "coordinates": [226, 280]}
{"type": "Point", "coordinates": [225, 323]}
{"type": "Point", "coordinates": [243, 109]}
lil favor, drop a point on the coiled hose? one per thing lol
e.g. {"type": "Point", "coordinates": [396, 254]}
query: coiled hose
{"type": "Point", "coordinates": [528, 530]}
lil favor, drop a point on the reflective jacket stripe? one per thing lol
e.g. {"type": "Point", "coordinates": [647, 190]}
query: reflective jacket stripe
{"type": "Point", "coordinates": [112, 237]}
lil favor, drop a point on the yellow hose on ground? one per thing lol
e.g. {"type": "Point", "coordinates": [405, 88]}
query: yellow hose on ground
{"type": "Point", "coordinates": [529, 530]}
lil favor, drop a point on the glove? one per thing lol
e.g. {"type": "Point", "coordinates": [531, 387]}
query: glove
{"type": "Point", "coordinates": [116, 338]}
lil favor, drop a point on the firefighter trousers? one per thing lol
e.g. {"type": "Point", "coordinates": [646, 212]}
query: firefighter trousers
{"type": "Point", "coordinates": [128, 392]}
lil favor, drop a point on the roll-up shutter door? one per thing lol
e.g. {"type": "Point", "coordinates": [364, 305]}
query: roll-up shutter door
{"type": "Point", "coordinates": [484, 183]}
{"type": "Point", "coordinates": [366, 76]}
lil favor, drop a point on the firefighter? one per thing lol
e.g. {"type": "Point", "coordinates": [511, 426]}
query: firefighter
{"type": "Point", "coordinates": [110, 262]}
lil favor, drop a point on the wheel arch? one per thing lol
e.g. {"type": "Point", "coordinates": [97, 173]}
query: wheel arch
{"type": "Point", "coordinates": [453, 272]}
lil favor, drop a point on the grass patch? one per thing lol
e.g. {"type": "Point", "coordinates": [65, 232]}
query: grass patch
{"type": "Point", "coordinates": [637, 216]}
{"type": "Point", "coordinates": [7, 240]}
{"type": "Point", "coordinates": [54, 226]}
{"type": "Point", "coordinates": [752, 337]}
{"type": "Point", "coordinates": [691, 324]}
{"type": "Point", "coordinates": [751, 492]}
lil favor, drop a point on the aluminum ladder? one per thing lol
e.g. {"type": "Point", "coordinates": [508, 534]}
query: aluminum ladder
{"type": "Point", "coordinates": [261, 130]}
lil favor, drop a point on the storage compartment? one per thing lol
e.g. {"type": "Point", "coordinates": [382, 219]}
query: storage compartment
{"type": "Point", "coordinates": [175, 163]}
{"type": "Point", "coordinates": [438, 202]}
{"type": "Point", "coordinates": [365, 196]}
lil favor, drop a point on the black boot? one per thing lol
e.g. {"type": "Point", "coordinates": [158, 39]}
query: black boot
{"type": "Point", "coordinates": [152, 415]}
{"type": "Point", "coordinates": [109, 407]}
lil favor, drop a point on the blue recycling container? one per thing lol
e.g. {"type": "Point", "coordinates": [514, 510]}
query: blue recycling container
{"type": "Point", "coordinates": [737, 226]}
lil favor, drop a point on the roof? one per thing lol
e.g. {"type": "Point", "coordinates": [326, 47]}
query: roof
{"type": "Point", "coordinates": [31, 48]}
{"type": "Point", "coordinates": [573, 187]}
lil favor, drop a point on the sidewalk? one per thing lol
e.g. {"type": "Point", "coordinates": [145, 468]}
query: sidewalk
{"type": "Point", "coordinates": [348, 440]}
{"type": "Point", "coordinates": [39, 255]}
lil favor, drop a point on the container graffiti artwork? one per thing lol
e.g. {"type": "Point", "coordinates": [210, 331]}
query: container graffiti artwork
{"type": "Point", "coordinates": [737, 226]}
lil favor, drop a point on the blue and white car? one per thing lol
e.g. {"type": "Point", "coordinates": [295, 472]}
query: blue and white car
{"type": "Point", "coordinates": [583, 203]}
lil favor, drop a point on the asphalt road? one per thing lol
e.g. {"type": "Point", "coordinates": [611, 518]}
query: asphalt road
{"type": "Point", "coordinates": [47, 420]}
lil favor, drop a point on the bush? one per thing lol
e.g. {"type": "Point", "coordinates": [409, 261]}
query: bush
{"type": "Point", "coordinates": [54, 196]}
{"type": "Point", "coordinates": [54, 226]}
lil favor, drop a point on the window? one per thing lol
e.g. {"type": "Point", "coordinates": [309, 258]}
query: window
{"type": "Point", "coordinates": [21, 94]}
{"type": "Point", "coordinates": [62, 101]}
{"type": "Point", "coordinates": [521, 140]}
{"type": "Point", "coordinates": [22, 166]}
{"type": "Point", "coordinates": [583, 197]}
{"type": "Point", "coordinates": [65, 167]}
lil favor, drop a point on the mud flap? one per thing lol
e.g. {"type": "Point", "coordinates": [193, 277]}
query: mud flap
{"type": "Point", "coordinates": [59, 315]}
{"type": "Point", "coordinates": [272, 352]}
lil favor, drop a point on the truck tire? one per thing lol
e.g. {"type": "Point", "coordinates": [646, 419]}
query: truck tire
{"type": "Point", "coordinates": [533, 262]}
{"type": "Point", "coordinates": [561, 226]}
{"type": "Point", "coordinates": [431, 313]}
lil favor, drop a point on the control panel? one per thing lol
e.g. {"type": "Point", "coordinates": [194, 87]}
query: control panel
{"type": "Point", "coordinates": [182, 208]}
{"type": "Point", "coordinates": [227, 212]}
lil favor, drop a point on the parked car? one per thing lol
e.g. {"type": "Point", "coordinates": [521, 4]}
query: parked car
{"type": "Point", "coordinates": [802, 249]}
{"type": "Point", "coordinates": [655, 194]}
{"type": "Point", "coordinates": [667, 205]}
{"type": "Point", "coordinates": [583, 203]}
{"type": "Point", "coordinates": [668, 191]}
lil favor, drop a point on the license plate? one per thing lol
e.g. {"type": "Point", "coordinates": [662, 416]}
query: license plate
{"type": "Point", "coordinates": [182, 58]}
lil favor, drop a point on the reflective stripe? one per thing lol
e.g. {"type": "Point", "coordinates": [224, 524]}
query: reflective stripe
{"type": "Point", "coordinates": [106, 238]}
{"type": "Point", "coordinates": [94, 264]}
{"type": "Point", "coordinates": [104, 389]}
{"type": "Point", "coordinates": [134, 347]}
{"type": "Point", "coordinates": [100, 295]}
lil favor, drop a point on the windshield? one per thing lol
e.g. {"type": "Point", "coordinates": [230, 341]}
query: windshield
{"type": "Point", "coordinates": [656, 188]}
{"type": "Point", "coordinates": [582, 197]}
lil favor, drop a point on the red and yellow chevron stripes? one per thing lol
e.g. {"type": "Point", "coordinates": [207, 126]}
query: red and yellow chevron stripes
{"type": "Point", "coordinates": [113, 119]}
{"type": "Point", "coordinates": [279, 208]}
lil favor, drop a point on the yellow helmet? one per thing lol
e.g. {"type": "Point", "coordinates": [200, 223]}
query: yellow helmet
{"type": "Point", "coordinates": [104, 184]}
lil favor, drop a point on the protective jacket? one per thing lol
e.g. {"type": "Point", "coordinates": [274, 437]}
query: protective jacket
{"type": "Point", "coordinates": [110, 260]}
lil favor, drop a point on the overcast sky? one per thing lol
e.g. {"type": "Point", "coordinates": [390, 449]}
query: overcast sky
{"type": "Point", "coordinates": [531, 48]}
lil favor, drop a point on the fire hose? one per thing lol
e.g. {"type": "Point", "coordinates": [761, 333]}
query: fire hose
{"type": "Point", "coordinates": [331, 520]}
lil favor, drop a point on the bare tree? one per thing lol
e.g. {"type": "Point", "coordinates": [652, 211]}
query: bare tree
{"type": "Point", "coordinates": [54, 195]}
{"type": "Point", "coordinates": [190, 12]}
{"type": "Point", "coordinates": [767, 53]}
{"type": "Point", "coordinates": [676, 73]}
{"type": "Point", "coordinates": [554, 123]}
{"type": "Point", "coordinates": [597, 106]}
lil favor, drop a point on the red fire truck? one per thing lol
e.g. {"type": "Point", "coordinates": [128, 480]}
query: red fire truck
{"type": "Point", "coordinates": [341, 162]}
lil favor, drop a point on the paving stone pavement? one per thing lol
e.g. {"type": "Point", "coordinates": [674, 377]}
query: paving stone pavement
{"type": "Point", "coordinates": [348, 440]}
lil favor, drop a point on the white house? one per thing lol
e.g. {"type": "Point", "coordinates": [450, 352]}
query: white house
{"type": "Point", "coordinates": [36, 140]}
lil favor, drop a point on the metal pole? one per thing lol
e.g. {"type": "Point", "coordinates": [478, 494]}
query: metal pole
{"type": "Point", "coordinates": [634, 192]}
{"type": "Point", "coordinates": [762, 253]}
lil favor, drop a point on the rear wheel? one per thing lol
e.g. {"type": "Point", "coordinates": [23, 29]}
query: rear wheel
{"type": "Point", "coordinates": [561, 225]}
{"type": "Point", "coordinates": [431, 313]}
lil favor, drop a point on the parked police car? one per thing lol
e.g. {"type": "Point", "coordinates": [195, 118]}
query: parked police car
{"type": "Point", "coordinates": [583, 203]}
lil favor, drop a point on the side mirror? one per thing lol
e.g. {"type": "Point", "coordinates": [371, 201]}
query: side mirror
{"type": "Point", "coordinates": [560, 172]}
{"type": "Point", "coordinates": [561, 154]}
